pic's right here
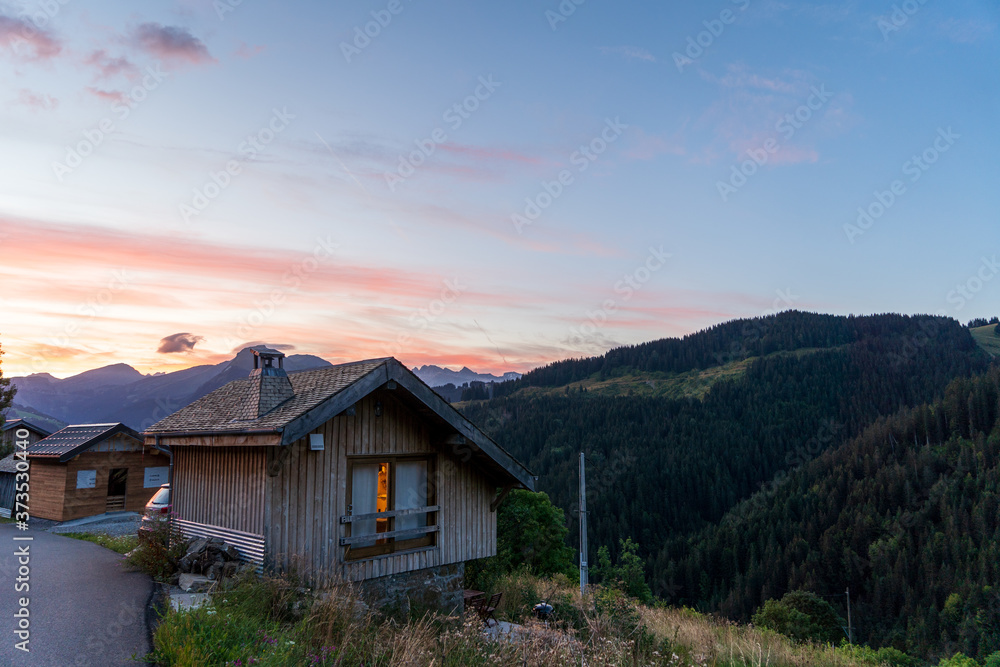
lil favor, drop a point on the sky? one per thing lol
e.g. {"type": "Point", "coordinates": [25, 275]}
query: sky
{"type": "Point", "coordinates": [492, 185]}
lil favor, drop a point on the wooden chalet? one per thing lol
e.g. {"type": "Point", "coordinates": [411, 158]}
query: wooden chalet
{"type": "Point", "coordinates": [20, 430]}
{"type": "Point", "coordinates": [11, 432]}
{"type": "Point", "coordinates": [90, 469]}
{"type": "Point", "coordinates": [358, 471]}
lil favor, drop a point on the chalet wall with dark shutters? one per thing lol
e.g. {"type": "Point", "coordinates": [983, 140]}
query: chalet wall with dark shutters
{"type": "Point", "coordinates": [307, 495]}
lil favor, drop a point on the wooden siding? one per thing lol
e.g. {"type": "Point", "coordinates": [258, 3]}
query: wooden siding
{"type": "Point", "coordinates": [306, 496]}
{"type": "Point", "coordinates": [8, 484]}
{"type": "Point", "coordinates": [48, 489]}
{"type": "Point", "coordinates": [9, 438]}
{"type": "Point", "coordinates": [78, 503]}
{"type": "Point", "coordinates": [220, 487]}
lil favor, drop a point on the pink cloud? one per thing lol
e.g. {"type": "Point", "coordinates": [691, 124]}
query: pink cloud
{"type": "Point", "coordinates": [785, 153]}
{"type": "Point", "coordinates": [107, 95]}
{"type": "Point", "coordinates": [490, 154]}
{"type": "Point", "coordinates": [27, 42]}
{"type": "Point", "coordinates": [171, 43]}
{"type": "Point", "coordinates": [108, 67]}
{"type": "Point", "coordinates": [36, 101]}
{"type": "Point", "coordinates": [642, 146]}
{"type": "Point", "coordinates": [247, 52]}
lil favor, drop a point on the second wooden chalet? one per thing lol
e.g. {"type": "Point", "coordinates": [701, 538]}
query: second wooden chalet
{"type": "Point", "coordinates": [90, 469]}
{"type": "Point", "coordinates": [358, 471]}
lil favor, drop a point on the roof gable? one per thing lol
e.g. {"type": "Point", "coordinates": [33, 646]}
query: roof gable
{"type": "Point", "coordinates": [66, 443]}
{"type": "Point", "coordinates": [24, 423]}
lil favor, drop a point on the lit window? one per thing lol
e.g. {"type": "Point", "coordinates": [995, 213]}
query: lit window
{"type": "Point", "coordinates": [381, 491]}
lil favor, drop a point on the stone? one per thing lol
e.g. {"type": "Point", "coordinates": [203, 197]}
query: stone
{"type": "Point", "coordinates": [435, 589]}
{"type": "Point", "coordinates": [194, 583]}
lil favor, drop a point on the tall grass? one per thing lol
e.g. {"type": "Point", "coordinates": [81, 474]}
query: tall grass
{"type": "Point", "coordinates": [276, 621]}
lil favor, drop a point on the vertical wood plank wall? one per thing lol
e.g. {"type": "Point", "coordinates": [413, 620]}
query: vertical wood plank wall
{"type": "Point", "coordinates": [220, 486]}
{"type": "Point", "coordinates": [307, 496]}
{"type": "Point", "coordinates": [48, 489]}
{"type": "Point", "coordinates": [53, 485]}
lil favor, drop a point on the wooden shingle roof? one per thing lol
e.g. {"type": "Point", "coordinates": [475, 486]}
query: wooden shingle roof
{"type": "Point", "coordinates": [8, 464]}
{"type": "Point", "coordinates": [225, 409]}
{"type": "Point", "coordinates": [66, 443]}
{"type": "Point", "coordinates": [322, 394]}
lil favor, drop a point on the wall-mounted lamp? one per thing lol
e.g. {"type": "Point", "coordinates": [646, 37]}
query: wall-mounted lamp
{"type": "Point", "coordinates": [378, 408]}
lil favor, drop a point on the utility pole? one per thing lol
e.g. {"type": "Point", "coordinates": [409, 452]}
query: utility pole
{"type": "Point", "coordinates": [583, 529]}
{"type": "Point", "coordinates": [850, 633]}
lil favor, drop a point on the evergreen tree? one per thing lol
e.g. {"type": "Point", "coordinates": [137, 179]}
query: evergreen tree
{"type": "Point", "coordinates": [7, 390]}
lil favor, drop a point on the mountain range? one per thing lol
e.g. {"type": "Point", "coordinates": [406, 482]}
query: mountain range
{"type": "Point", "coordinates": [120, 393]}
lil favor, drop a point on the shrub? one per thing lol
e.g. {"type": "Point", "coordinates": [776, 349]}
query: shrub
{"type": "Point", "coordinates": [628, 574]}
{"type": "Point", "coordinates": [958, 660]}
{"type": "Point", "coordinates": [802, 616]}
{"type": "Point", "coordinates": [883, 657]}
{"type": "Point", "coordinates": [157, 552]}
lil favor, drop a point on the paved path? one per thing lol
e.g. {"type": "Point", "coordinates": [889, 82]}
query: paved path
{"type": "Point", "coordinates": [84, 609]}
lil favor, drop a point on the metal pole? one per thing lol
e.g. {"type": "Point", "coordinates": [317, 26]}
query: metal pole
{"type": "Point", "coordinates": [850, 633]}
{"type": "Point", "coordinates": [583, 529]}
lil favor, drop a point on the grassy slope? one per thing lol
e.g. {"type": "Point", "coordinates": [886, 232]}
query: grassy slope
{"type": "Point", "coordinates": [986, 339]}
{"type": "Point", "coordinates": [17, 411]}
{"type": "Point", "coordinates": [691, 384]}
{"type": "Point", "coordinates": [252, 624]}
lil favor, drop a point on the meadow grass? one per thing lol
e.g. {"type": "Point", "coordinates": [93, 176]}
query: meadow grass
{"type": "Point", "coordinates": [119, 543]}
{"type": "Point", "coordinates": [275, 621]}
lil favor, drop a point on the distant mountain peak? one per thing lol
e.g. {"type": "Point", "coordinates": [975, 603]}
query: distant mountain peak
{"type": "Point", "coordinates": [436, 376]}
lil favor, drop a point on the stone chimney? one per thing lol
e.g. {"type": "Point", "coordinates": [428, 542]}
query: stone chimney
{"type": "Point", "coordinates": [269, 383]}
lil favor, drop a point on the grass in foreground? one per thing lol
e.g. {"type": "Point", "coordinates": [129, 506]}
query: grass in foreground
{"type": "Point", "coordinates": [119, 543]}
{"type": "Point", "coordinates": [273, 622]}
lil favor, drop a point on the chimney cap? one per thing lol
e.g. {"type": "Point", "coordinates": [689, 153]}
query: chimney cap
{"type": "Point", "coordinates": [263, 361]}
{"type": "Point", "coordinates": [265, 351]}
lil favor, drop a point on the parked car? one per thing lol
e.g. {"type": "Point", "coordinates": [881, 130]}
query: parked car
{"type": "Point", "coordinates": [157, 509]}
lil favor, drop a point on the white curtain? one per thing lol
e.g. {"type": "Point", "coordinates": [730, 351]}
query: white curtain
{"type": "Point", "coordinates": [411, 492]}
{"type": "Point", "coordinates": [364, 498]}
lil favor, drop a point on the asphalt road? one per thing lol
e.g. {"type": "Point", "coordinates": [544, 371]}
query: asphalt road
{"type": "Point", "coordinates": [83, 608]}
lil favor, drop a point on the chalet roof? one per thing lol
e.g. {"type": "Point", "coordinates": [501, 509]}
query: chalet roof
{"type": "Point", "coordinates": [223, 410]}
{"type": "Point", "coordinates": [8, 464]}
{"type": "Point", "coordinates": [72, 440]}
{"type": "Point", "coordinates": [24, 423]}
{"type": "Point", "coordinates": [323, 393]}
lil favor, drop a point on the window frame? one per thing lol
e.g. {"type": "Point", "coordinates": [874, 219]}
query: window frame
{"type": "Point", "coordinates": [391, 545]}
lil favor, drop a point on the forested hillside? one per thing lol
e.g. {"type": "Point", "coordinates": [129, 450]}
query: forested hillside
{"type": "Point", "coordinates": [907, 515]}
{"type": "Point", "coordinates": [663, 471]}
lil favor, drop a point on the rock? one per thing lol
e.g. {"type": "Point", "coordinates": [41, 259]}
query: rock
{"type": "Point", "coordinates": [194, 583]}
{"type": "Point", "coordinates": [196, 546]}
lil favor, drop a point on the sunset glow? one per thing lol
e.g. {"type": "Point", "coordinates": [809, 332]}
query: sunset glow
{"type": "Point", "coordinates": [480, 186]}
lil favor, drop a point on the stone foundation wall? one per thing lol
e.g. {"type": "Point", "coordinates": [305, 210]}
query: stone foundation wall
{"type": "Point", "coordinates": [438, 589]}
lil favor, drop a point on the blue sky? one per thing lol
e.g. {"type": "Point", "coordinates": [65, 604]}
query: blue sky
{"type": "Point", "coordinates": [315, 234]}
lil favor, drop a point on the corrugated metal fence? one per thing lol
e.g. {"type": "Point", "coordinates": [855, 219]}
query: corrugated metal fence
{"type": "Point", "coordinates": [249, 545]}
